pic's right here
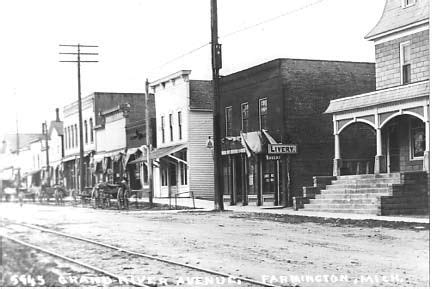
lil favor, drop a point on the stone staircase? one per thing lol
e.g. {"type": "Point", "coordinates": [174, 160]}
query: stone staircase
{"type": "Point", "coordinates": [379, 194]}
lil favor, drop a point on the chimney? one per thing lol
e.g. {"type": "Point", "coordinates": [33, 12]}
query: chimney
{"type": "Point", "coordinates": [57, 115]}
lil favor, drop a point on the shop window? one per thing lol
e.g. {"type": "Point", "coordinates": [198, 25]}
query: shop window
{"type": "Point", "coordinates": [417, 138]}
{"type": "Point", "coordinates": [228, 121]}
{"type": "Point", "coordinates": [263, 110]}
{"type": "Point", "coordinates": [245, 117]}
{"type": "Point", "coordinates": [172, 172]}
{"type": "Point", "coordinates": [405, 63]}
{"type": "Point", "coordinates": [164, 177]}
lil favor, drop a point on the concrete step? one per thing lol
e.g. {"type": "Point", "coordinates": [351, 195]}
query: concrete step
{"type": "Point", "coordinates": [345, 201]}
{"type": "Point", "coordinates": [365, 182]}
{"type": "Point", "coordinates": [343, 206]}
{"type": "Point", "coordinates": [350, 196]}
{"type": "Point", "coordinates": [357, 186]}
{"type": "Point", "coordinates": [370, 176]}
{"type": "Point", "coordinates": [345, 211]}
{"type": "Point", "coordinates": [356, 191]}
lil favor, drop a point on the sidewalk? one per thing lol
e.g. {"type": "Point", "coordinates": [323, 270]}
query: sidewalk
{"type": "Point", "coordinates": [206, 205]}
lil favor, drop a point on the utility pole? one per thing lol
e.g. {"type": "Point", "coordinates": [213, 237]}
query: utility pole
{"type": "Point", "coordinates": [80, 116]}
{"type": "Point", "coordinates": [149, 146]}
{"type": "Point", "coordinates": [216, 59]}
{"type": "Point", "coordinates": [18, 153]}
{"type": "Point", "coordinates": [45, 133]}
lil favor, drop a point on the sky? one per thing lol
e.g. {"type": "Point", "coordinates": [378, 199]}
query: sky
{"type": "Point", "coordinates": [140, 39]}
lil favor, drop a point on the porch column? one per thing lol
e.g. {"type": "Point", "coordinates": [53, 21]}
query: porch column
{"type": "Point", "coordinates": [337, 162]}
{"type": "Point", "coordinates": [379, 158]}
{"type": "Point", "coordinates": [426, 153]}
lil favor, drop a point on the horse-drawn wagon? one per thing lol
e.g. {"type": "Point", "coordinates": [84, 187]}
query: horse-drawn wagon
{"type": "Point", "coordinates": [104, 193]}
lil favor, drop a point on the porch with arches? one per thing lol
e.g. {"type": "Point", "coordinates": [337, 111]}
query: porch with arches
{"type": "Point", "coordinates": [382, 137]}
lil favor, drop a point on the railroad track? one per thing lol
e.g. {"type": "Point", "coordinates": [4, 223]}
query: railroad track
{"type": "Point", "coordinates": [125, 266]}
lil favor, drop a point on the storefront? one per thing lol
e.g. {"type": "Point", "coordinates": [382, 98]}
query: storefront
{"type": "Point", "coordinates": [250, 174]}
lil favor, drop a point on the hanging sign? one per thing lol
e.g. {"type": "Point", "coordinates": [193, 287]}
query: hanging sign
{"type": "Point", "coordinates": [272, 157]}
{"type": "Point", "coordinates": [282, 149]}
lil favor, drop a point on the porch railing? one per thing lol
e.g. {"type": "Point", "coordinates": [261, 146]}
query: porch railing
{"type": "Point", "coordinates": [357, 166]}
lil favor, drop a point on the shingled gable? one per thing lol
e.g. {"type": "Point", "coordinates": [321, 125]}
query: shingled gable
{"type": "Point", "coordinates": [395, 17]}
{"type": "Point", "coordinates": [201, 95]}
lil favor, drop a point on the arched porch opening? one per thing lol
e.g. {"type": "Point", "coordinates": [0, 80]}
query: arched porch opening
{"type": "Point", "coordinates": [405, 143]}
{"type": "Point", "coordinates": [357, 149]}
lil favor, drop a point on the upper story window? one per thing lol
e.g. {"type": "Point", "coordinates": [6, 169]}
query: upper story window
{"type": "Point", "coordinates": [405, 63]}
{"type": "Point", "coordinates": [85, 132]}
{"type": "Point", "coordinates": [76, 135]}
{"type": "Point", "coordinates": [180, 124]}
{"type": "Point", "coordinates": [171, 126]}
{"type": "Point", "coordinates": [408, 3]}
{"type": "Point", "coordinates": [91, 129]}
{"type": "Point", "coordinates": [65, 137]}
{"type": "Point", "coordinates": [245, 117]}
{"type": "Point", "coordinates": [162, 130]}
{"type": "Point", "coordinates": [228, 121]}
{"type": "Point", "coordinates": [71, 133]}
{"type": "Point", "coordinates": [263, 110]}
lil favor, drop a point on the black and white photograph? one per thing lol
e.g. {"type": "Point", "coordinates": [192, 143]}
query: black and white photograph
{"type": "Point", "coordinates": [214, 143]}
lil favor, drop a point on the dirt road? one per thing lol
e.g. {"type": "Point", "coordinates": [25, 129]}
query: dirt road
{"type": "Point", "coordinates": [305, 254]}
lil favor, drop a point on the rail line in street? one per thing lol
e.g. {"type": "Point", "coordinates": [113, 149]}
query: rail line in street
{"type": "Point", "coordinates": [82, 264]}
{"type": "Point", "coordinates": [160, 264]}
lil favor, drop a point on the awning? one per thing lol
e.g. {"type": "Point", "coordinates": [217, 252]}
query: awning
{"type": "Point", "coordinates": [255, 142]}
{"type": "Point", "coordinates": [252, 142]}
{"type": "Point", "coordinates": [269, 138]}
{"type": "Point", "coordinates": [160, 153]}
{"type": "Point", "coordinates": [165, 151]}
{"type": "Point", "coordinates": [31, 172]}
{"type": "Point", "coordinates": [73, 157]}
{"type": "Point", "coordinates": [130, 152]}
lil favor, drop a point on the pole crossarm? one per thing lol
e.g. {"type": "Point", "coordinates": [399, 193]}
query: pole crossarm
{"type": "Point", "coordinates": [81, 61]}
{"type": "Point", "coordinates": [81, 53]}
{"type": "Point", "coordinates": [80, 113]}
{"type": "Point", "coordinates": [77, 45]}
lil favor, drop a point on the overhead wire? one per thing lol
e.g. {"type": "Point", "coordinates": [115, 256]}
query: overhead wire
{"type": "Point", "coordinates": [239, 31]}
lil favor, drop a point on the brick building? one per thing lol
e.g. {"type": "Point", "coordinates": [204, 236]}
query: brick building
{"type": "Point", "coordinates": [92, 107]}
{"type": "Point", "coordinates": [389, 127]}
{"type": "Point", "coordinates": [282, 101]}
{"type": "Point", "coordinates": [120, 139]}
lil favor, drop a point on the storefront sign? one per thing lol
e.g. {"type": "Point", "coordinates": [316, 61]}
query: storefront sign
{"type": "Point", "coordinates": [282, 149]}
{"type": "Point", "coordinates": [272, 157]}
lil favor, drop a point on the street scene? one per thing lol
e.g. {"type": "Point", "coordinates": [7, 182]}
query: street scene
{"type": "Point", "coordinates": [240, 145]}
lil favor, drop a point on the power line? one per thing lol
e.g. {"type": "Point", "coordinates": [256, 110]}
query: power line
{"type": "Point", "coordinates": [237, 32]}
{"type": "Point", "coordinates": [271, 19]}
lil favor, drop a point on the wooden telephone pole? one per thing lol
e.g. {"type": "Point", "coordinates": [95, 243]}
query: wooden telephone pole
{"type": "Point", "coordinates": [216, 66]}
{"type": "Point", "coordinates": [80, 116]}
{"type": "Point", "coordinates": [47, 155]}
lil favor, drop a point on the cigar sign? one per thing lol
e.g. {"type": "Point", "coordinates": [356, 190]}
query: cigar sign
{"type": "Point", "coordinates": [282, 149]}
